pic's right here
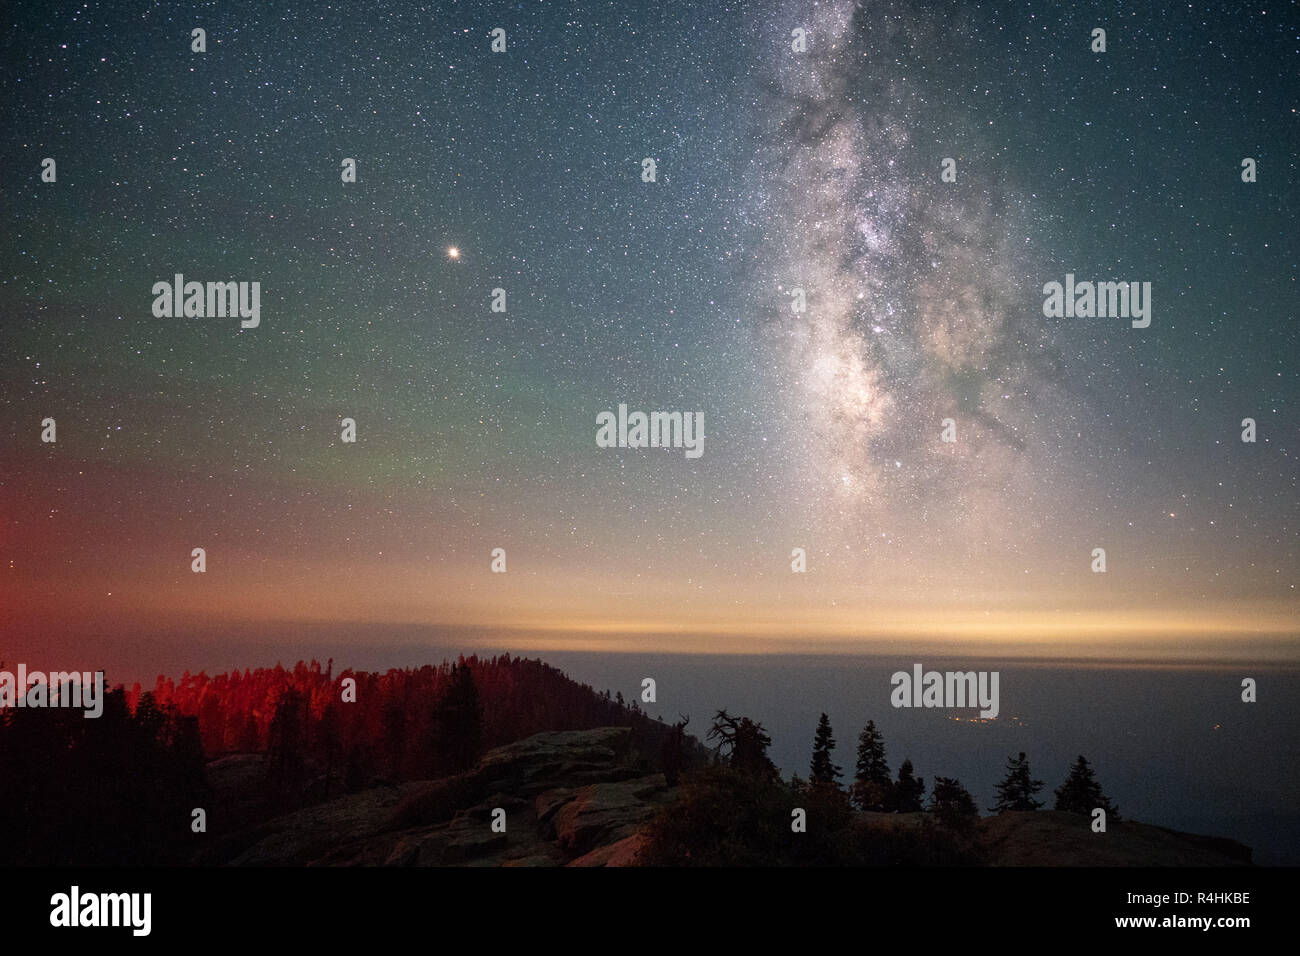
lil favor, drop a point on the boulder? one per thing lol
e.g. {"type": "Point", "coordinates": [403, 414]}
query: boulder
{"type": "Point", "coordinates": [603, 813]}
{"type": "Point", "coordinates": [620, 853]}
{"type": "Point", "coordinates": [566, 794]}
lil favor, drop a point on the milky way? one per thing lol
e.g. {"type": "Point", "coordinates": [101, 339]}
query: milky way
{"type": "Point", "coordinates": [916, 301]}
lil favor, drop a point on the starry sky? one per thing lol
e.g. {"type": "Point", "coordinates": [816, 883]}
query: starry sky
{"type": "Point", "coordinates": [775, 170]}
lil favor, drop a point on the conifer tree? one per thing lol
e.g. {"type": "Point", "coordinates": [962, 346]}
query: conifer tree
{"type": "Point", "coordinates": [743, 743]}
{"type": "Point", "coordinates": [906, 793]}
{"type": "Point", "coordinates": [952, 803]}
{"type": "Point", "coordinates": [458, 722]}
{"type": "Point", "coordinates": [672, 752]}
{"type": "Point", "coordinates": [285, 764]}
{"type": "Point", "coordinates": [823, 771]}
{"type": "Point", "coordinates": [871, 781]}
{"type": "Point", "coordinates": [1017, 789]}
{"type": "Point", "coordinates": [1081, 793]}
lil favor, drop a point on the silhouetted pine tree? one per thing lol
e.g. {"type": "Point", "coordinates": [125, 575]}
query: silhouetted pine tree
{"type": "Point", "coordinates": [672, 753]}
{"type": "Point", "coordinates": [186, 758]}
{"type": "Point", "coordinates": [1017, 789]}
{"type": "Point", "coordinates": [743, 743]}
{"type": "Point", "coordinates": [285, 764]}
{"type": "Point", "coordinates": [1081, 793]}
{"type": "Point", "coordinates": [329, 740]}
{"type": "Point", "coordinates": [871, 782]}
{"type": "Point", "coordinates": [952, 803]}
{"type": "Point", "coordinates": [356, 771]}
{"type": "Point", "coordinates": [458, 723]}
{"type": "Point", "coordinates": [823, 772]}
{"type": "Point", "coordinates": [906, 794]}
{"type": "Point", "coordinates": [394, 739]}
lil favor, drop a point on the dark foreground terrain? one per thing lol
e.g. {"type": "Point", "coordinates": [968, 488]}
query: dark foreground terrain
{"type": "Point", "coordinates": [586, 798]}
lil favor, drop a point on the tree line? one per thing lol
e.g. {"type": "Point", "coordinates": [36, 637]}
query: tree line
{"type": "Point", "coordinates": [122, 788]}
{"type": "Point", "coordinates": [738, 810]}
{"type": "Point", "coordinates": [873, 788]}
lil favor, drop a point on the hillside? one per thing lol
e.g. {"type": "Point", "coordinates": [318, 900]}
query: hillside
{"type": "Point", "coordinates": [587, 798]}
{"type": "Point", "coordinates": [570, 797]}
{"type": "Point", "coordinates": [248, 747]}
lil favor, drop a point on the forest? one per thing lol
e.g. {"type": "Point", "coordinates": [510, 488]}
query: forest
{"type": "Point", "coordinates": [124, 788]}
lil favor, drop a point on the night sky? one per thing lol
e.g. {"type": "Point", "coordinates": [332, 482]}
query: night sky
{"type": "Point", "coordinates": [775, 170]}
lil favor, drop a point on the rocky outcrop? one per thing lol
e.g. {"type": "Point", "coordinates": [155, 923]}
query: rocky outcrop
{"type": "Point", "coordinates": [582, 798]}
{"type": "Point", "coordinates": [605, 813]}
{"type": "Point", "coordinates": [622, 853]}
{"type": "Point", "coordinates": [570, 797]}
{"type": "Point", "coordinates": [1051, 838]}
